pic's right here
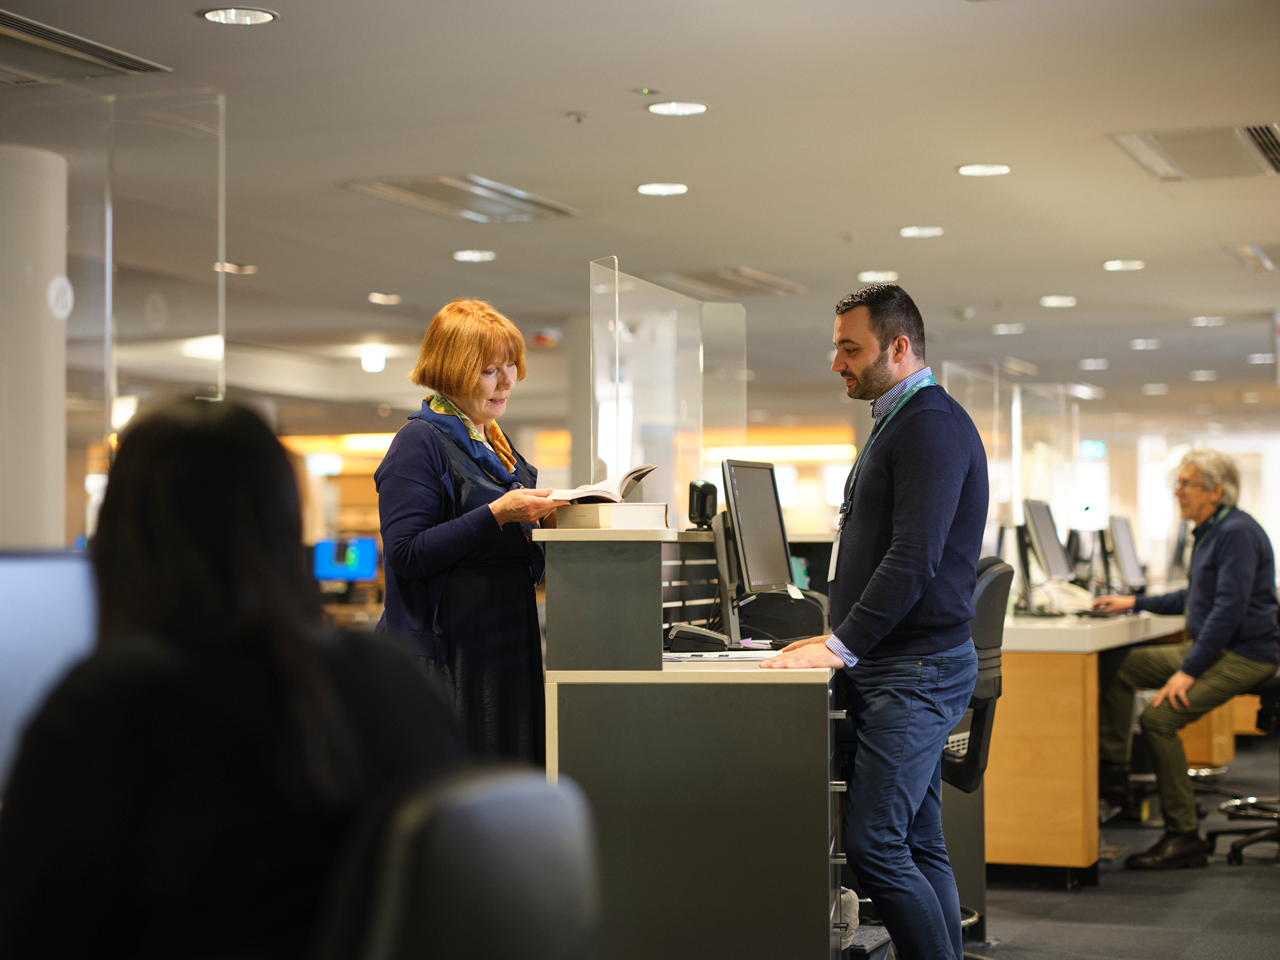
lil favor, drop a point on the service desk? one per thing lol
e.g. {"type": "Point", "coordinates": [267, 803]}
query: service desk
{"type": "Point", "coordinates": [710, 783]}
{"type": "Point", "coordinates": [1042, 775]}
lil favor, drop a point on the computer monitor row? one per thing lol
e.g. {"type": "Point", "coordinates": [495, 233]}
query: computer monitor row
{"type": "Point", "coordinates": [1053, 558]}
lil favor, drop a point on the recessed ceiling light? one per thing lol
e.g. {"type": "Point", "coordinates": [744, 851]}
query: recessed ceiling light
{"type": "Point", "coordinates": [1008, 329]}
{"type": "Point", "coordinates": [387, 299]}
{"type": "Point", "coordinates": [373, 358]}
{"type": "Point", "coordinates": [244, 269]}
{"type": "Point", "coordinates": [1057, 301]}
{"type": "Point", "coordinates": [1144, 344]}
{"type": "Point", "coordinates": [1120, 265]}
{"type": "Point", "coordinates": [1204, 375]}
{"type": "Point", "coordinates": [677, 108]}
{"type": "Point", "coordinates": [1086, 391]}
{"type": "Point", "coordinates": [474, 256]}
{"type": "Point", "coordinates": [1208, 321]}
{"type": "Point", "coordinates": [662, 189]}
{"type": "Point", "coordinates": [1250, 397]}
{"type": "Point", "coordinates": [1094, 363]}
{"type": "Point", "coordinates": [1260, 358]}
{"type": "Point", "coordinates": [877, 276]}
{"type": "Point", "coordinates": [920, 232]}
{"type": "Point", "coordinates": [210, 347]}
{"type": "Point", "coordinates": [1155, 389]}
{"type": "Point", "coordinates": [984, 170]}
{"type": "Point", "coordinates": [239, 16]}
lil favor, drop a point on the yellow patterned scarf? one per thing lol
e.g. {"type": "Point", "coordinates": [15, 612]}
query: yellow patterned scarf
{"type": "Point", "coordinates": [497, 439]}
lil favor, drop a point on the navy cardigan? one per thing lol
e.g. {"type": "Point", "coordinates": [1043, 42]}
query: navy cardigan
{"type": "Point", "coordinates": [909, 550]}
{"type": "Point", "coordinates": [1230, 598]}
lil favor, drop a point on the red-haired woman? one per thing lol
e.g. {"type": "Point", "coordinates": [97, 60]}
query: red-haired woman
{"type": "Point", "coordinates": [458, 505]}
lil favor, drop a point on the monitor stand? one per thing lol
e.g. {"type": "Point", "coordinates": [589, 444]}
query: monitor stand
{"type": "Point", "coordinates": [727, 575]}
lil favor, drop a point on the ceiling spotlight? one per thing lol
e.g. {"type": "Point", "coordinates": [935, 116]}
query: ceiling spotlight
{"type": "Point", "coordinates": [386, 299]}
{"type": "Point", "coordinates": [1008, 329]}
{"type": "Point", "coordinates": [210, 347]}
{"type": "Point", "coordinates": [474, 256]}
{"type": "Point", "coordinates": [1121, 265]}
{"type": "Point", "coordinates": [1094, 363]}
{"type": "Point", "coordinates": [984, 170]}
{"type": "Point", "coordinates": [677, 108]}
{"type": "Point", "coordinates": [877, 276]}
{"type": "Point", "coordinates": [244, 269]}
{"type": "Point", "coordinates": [1155, 389]}
{"type": "Point", "coordinates": [1144, 344]}
{"type": "Point", "coordinates": [1208, 321]}
{"type": "Point", "coordinates": [1202, 376]}
{"type": "Point", "coordinates": [1260, 358]}
{"type": "Point", "coordinates": [1056, 301]}
{"type": "Point", "coordinates": [238, 16]}
{"type": "Point", "coordinates": [662, 189]}
{"type": "Point", "coordinates": [373, 358]}
{"type": "Point", "coordinates": [920, 232]}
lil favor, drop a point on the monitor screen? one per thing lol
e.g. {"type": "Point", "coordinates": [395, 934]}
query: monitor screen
{"type": "Point", "coordinates": [751, 499]}
{"type": "Point", "coordinates": [50, 621]}
{"type": "Point", "coordinates": [1044, 540]}
{"type": "Point", "coordinates": [1126, 552]}
{"type": "Point", "coordinates": [351, 560]}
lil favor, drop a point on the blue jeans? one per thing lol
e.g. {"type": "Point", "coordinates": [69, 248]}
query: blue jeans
{"type": "Point", "coordinates": [902, 710]}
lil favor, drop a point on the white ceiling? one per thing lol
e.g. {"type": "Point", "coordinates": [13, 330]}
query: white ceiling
{"type": "Point", "coordinates": [832, 124]}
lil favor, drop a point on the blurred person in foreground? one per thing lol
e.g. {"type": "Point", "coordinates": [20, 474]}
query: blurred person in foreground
{"type": "Point", "coordinates": [1230, 606]}
{"type": "Point", "coordinates": [458, 507]}
{"type": "Point", "coordinates": [184, 791]}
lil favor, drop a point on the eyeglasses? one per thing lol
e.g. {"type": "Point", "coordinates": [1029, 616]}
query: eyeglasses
{"type": "Point", "coordinates": [1187, 484]}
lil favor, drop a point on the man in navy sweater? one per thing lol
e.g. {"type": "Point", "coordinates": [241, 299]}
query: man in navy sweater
{"type": "Point", "coordinates": [903, 571]}
{"type": "Point", "coordinates": [1230, 605]}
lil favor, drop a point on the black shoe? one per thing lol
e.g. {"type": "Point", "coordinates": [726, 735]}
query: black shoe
{"type": "Point", "coordinates": [1171, 851]}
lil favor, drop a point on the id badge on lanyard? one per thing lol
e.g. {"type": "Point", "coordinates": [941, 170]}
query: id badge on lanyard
{"type": "Point", "coordinates": [847, 506]}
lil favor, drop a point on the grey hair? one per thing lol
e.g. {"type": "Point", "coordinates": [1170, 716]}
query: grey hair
{"type": "Point", "coordinates": [1216, 470]}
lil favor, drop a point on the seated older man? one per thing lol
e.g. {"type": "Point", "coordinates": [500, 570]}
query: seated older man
{"type": "Point", "coordinates": [1230, 605]}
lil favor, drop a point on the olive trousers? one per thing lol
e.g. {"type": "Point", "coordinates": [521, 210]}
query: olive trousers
{"type": "Point", "coordinates": [1122, 671]}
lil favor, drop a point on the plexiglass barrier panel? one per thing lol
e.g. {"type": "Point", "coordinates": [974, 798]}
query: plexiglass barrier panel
{"type": "Point", "coordinates": [976, 387]}
{"type": "Point", "coordinates": [138, 193]}
{"type": "Point", "coordinates": [664, 367]}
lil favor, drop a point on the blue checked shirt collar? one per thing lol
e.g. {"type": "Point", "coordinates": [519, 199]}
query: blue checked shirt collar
{"type": "Point", "coordinates": [881, 406]}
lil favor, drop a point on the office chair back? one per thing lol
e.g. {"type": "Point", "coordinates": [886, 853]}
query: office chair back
{"type": "Point", "coordinates": [990, 601]}
{"type": "Point", "coordinates": [484, 864]}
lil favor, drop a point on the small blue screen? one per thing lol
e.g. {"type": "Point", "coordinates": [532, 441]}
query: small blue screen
{"type": "Point", "coordinates": [354, 559]}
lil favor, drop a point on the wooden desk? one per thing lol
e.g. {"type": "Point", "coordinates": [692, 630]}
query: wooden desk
{"type": "Point", "coordinates": [1042, 775]}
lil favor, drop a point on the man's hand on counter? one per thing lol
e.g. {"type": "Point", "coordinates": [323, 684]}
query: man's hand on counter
{"type": "Point", "coordinates": [1113, 604]}
{"type": "Point", "coordinates": [809, 652]}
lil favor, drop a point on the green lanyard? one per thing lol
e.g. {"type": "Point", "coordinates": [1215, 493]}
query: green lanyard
{"type": "Point", "coordinates": [845, 507]}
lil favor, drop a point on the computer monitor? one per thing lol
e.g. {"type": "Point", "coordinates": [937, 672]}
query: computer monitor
{"type": "Point", "coordinates": [49, 623]}
{"type": "Point", "coordinates": [755, 515]}
{"type": "Point", "coordinates": [1126, 553]}
{"type": "Point", "coordinates": [352, 560]}
{"type": "Point", "coordinates": [1044, 541]}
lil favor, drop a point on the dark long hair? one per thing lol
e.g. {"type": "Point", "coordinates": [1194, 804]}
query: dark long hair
{"type": "Point", "coordinates": [199, 541]}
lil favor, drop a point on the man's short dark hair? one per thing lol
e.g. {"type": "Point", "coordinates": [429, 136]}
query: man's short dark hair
{"type": "Point", "coordinates": [893, 314]}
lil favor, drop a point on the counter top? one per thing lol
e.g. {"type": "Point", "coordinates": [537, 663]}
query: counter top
{"type": "Point", "coordinates": [664, 536]}
{"type": "Point", "coordinates": [737, 671]}
{"type": "Point", "coordinates": [1072, 634]}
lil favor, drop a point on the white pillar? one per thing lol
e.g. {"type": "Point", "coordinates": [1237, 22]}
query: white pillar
{"type": "Point", "coordinates": [33, 348]}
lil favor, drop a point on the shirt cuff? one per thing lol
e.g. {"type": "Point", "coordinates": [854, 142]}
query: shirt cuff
{"type": "Point", "coordinates": [840, 650]}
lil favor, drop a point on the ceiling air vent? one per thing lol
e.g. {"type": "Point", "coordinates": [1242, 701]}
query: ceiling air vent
{"type": "Point", "coordinates": [730, 283]}
{"type": "Point", "coordinates": [32, 53]}
{"type": "Point", "coordinates": [466, 197]}
{"type": "Point", "coordinates": [1211, 154]}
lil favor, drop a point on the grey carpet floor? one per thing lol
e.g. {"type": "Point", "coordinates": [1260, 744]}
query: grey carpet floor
{"type": "Point", "coordinates": [1223, 912]}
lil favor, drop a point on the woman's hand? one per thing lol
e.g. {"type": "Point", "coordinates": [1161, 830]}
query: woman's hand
{"type": "Point", "coordinates": [1113, 604]}
{"type": "Point", "coordinates": [523, 506]}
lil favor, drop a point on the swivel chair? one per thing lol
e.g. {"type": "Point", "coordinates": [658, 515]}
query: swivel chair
{"type": "Point", "coordinates": [1254, 808]}
{"type": "Point", "coordinates": [483, 864]}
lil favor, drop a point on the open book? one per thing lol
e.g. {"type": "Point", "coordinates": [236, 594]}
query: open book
{"type": "Point", "coordinates": [614, 490]}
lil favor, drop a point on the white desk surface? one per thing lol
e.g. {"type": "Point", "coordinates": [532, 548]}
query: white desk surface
{"type": "Point", "coordinates": [1072, 634]}
{"type": "Point", "coordinates": [736, 671]}
{"type": "Point", "coordinates": [665, 536]}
